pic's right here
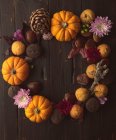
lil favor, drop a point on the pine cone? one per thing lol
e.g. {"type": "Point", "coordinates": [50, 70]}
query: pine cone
{"type": "Point", "coordinates": [39, 21]}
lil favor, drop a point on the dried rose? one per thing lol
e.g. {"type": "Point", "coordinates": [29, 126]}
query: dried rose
{"type": "Point", "coordinates": [64, 107]}
{"type": "Point", "coordinates": [93, 55]}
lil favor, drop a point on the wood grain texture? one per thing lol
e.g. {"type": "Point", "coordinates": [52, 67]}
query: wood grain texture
{"type": "Point", "coordinates": [57, 75]}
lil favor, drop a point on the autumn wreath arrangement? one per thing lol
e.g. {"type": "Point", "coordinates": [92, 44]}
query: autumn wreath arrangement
{"type": "Point", "coordinates": [86, 33]}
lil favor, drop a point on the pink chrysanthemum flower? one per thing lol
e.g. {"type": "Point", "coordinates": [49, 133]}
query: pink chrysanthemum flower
{"type": "Point", "coordinates": [22, 98]}
{"type": "Point", "coordinates": [101, 26]}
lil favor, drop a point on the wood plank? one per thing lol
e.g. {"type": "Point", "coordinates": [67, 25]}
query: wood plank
{"type": "Point", "coordinates": [61, 72]}
{"type": "Point", "coordinates": [8, 112]}
{"type": "Point", "coordinates": [26, 129]}
{"type": "Point", "coordinates": [100, 123]}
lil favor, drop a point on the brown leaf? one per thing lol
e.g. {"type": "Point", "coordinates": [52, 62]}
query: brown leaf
{"type": "Point", "coordinates": [73, 52]}
{"type": "Point", "coordinates": [9, 39]}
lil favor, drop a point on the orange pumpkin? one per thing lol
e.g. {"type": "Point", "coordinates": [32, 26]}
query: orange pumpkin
{"type": "Point", "coordinates": [15, 70]}
{"type": "Point", "coordinates": [39, 109]}
{"type": "Point", "coordinates": [65, 25]}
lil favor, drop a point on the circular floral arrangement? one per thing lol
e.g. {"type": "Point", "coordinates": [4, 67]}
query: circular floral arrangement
{"type": "Point", "coordinates": [86, 32]}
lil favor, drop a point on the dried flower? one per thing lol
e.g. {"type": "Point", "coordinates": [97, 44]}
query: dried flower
{"type": "Point", "coordinates": [18, 35]}
{"type": "Point", "coordinates": [22, 98]}
{"type": "Point", "coordinates": [64, 107]}
{"type": "Point", "coordinates": [77, 44]}
{"type": "Point", "coordinates": [101, 72]}
{"type": "Point", "coordinates": [83, 52]}
{"type": "Point", "coordinates": [93, 55]}
{"type": "Point", "coordinates": [47, 36]}
{"type": "Point", "coordinates": [103, 100]}
{"type": "Point", "coordinates": [101, 26]}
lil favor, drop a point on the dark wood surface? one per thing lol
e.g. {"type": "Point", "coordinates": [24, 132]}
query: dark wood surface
{"type": "Point", "coordinates": [56, 73]}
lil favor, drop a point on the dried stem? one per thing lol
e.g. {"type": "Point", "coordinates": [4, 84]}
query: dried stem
{"type": "Point", "coordinates": [101, 71]}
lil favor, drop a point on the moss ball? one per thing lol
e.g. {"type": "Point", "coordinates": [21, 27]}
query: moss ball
{"type": "Point", "coordinates": [76, 111]}
{"type": "Point", "coordinates": [33, 51]}
{"type": "Point", "coordinates": [82, 94]}
{"type": "Point", "coordinates": [91, 70]}
{"type": "Point", "coordinates": [93, 104]}
{"type": "Point", "coordinates": [100, 90]}
{"type": "Point", "coordinates": [104, 50]}
{"type": "Point", "coordinates": [18, 48]}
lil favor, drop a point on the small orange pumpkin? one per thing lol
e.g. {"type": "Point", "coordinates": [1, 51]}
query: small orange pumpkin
{"type": "Point", "coordinates": [15, 70]}
{"type": "Point", "coordinates": [39, 109]}
{"type": "Point", "coordinates": [65, 25]}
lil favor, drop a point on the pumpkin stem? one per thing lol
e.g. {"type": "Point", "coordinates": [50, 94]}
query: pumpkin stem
{"type": "Point", "coordinates": [64, 24]}
{"type": "Point", "coordinates": [36, 111]}
{"type": "Point", "coordinates": [13, 71]}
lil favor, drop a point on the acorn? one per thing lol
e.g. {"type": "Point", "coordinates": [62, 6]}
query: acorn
{"type": "Point", "coordinates": [96, 38]}
{"type": "Point", "coordinates": [35, 87]}
{"type": "Point", "coordinates": [56, 117]}
{"type": "Point", "coordinates": [70, 97]}
{"type": "Point", "coordinates": [30, 36]}
{"type": "Point", "coordinates": [83, 79]}
{"type": "Point", "coordinates": [12, 90]}
{"type": "Point", "coordinates": [93, 104]}
{"type": "Point", "coordinates": [90, 43]}
{"type": "Point", "coordinates": [33, 51]}
{"type": "Point", "coordinates": [79, 42]}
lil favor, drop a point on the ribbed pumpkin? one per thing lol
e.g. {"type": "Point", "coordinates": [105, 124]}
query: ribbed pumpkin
{"type": "Point", "coordinates": [39, 109]}
{"type": "Point", "coordinates": [15, 70]}
{"type": "Point", "coordinates": [65, 25]}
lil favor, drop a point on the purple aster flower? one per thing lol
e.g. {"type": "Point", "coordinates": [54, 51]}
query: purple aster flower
{"type": "Point", "coordinates": [18, 35]}
{"type": "Point", "coordinates": [22, 98]}
{"type": "Point", "coordinates": [101, 26]}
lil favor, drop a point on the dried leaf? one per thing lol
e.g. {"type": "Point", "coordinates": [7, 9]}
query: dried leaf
{"type": "Point", "coordinates": [9, 39]}
{"type": "Point", "coordinates": [73, 52]}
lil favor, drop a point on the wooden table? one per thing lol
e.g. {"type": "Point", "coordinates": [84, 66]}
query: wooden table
{"type": "Point", "coordinates": [56, 74]}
